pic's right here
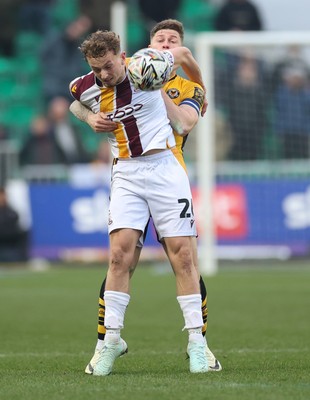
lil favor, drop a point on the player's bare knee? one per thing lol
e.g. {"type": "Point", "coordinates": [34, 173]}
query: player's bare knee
{"type": "Point", "coordinates": [178, 245]}
{"type": "Point", "coordinates": [118, 262]}
{"type": "Point", "coordinates": [183, 261]}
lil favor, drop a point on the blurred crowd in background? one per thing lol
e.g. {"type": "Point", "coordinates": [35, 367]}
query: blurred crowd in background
{"type": "Point", "coordinates": [39, 56]}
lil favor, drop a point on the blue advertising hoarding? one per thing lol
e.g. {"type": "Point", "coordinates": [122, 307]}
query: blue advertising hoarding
{"type": "Point", "coordinates": [65, 217]}
{"type": "Point", "coordinates": [263, 212]}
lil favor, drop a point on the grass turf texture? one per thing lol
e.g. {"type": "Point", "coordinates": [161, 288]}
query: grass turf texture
{"type": "Point", "coordinates": [258, 328]}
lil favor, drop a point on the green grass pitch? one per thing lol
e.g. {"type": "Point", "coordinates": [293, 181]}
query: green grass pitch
{"type": "Point", "coordinates": [259, 320]}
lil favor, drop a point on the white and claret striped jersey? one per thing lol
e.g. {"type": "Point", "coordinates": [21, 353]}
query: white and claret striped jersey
{"type": "Point", "coordinates": [183, 91]}
{"type": "Point", "coordinates": [142, 119]}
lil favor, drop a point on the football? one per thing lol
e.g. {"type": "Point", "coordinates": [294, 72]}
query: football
{"type": "Point", "coordinates": [150, 69]}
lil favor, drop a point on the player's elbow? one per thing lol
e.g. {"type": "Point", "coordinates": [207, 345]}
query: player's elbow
{"type": "Point", "coordinates": [187, 126]}
{"type": "Point", "coordinates": [72, 107]}
{"type": "Point", "coordinates": [186, 52]}
{"type": "Point", "coordinates": [184, 123]}
{"type": "Point", "coordinates": [181, 129]}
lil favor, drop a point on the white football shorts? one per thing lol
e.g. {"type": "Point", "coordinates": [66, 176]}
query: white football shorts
{"type": "Point", "coordinates": [154, 185]}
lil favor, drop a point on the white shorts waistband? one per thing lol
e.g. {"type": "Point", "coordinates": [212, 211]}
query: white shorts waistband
{"type": "Point", "coordinates": [157, 156]}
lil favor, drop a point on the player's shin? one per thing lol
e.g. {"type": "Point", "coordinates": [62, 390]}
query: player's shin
{"type": "Point", "coordinates": [191, 308]}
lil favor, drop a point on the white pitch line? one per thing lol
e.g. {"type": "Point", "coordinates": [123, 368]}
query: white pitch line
{"type": "Point", "coordinates": [82, 354]}
{"type": "Point", "coordinates": [287, 350]}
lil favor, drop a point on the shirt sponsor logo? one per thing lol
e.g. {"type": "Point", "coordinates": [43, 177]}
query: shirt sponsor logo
{"type": "Point", "coordinates": [124, 112]}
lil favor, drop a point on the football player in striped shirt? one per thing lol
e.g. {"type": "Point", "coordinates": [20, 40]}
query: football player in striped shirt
{"type": "Point", "coordinates": [183, 97]}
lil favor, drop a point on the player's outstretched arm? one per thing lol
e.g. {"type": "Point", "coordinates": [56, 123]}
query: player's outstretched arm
{"type": "Point", "coordinates": [183, 57]}
{"type": "Point", "coordinates": [99, 122]}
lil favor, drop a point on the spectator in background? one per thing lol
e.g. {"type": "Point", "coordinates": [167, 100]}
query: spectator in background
{"type": "Point", "coordinates": [238, 15]}
{"type": "Point", "coordinates": [233, 15]}
{"type": "Point", "coordinates": [223, 136]}
{"type": "Point", "coordinates": [8, 26]}
{"type": "Point", "coordinates": [103, 155]}
{"type": "Point", "coordinates": [41, 147]}
{"type": "Point", "coordinates": [101, 164]}
{"type": "Point", "coordinates": [247, 110]}
{"type": "Point", "coordinates": [65, 133]}
{"type": "Point", "coordinates": [292, 59]}
{"type": "Point", "coordinates": [4, 132]}
{"type": "Point", "coordinates": [13, 239]}
{"type": "Point", "coordinates": [97, 172]}
{"type": "Point", "coordinates": [61, 58]}
{"type": "Point", "coordinates": [156, 11]}
{"type": "Point", "coordinates": [98, 11]}
{"type": "Point", "coordinates": [292, 113]}
{"type": "Point", "coordinates": [5, 157]}
{"type": "Point", "coordinates": [35, 16]}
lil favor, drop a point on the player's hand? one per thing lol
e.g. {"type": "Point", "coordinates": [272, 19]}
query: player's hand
{"type": "Point", "coordinates": [204, 106]}
{"type": "Point", "coordinates": [100, 122]}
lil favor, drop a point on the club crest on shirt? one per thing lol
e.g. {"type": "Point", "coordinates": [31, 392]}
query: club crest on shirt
{"type": "Point", "coordinates": [198, 95]}
{"type": "Point", "coordinates": [173, 93]}
{"type": "Point", "coordinates": [110, 221]}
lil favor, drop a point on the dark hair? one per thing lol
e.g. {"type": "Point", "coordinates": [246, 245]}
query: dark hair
{"type": "Point", "coordinates": [172, 24]}
{"type": "Point", "coordinates": [99, 43]}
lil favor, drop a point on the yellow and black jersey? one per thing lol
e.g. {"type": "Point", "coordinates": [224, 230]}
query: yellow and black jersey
{"type": "Point", "coordinates": [182, 91]}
